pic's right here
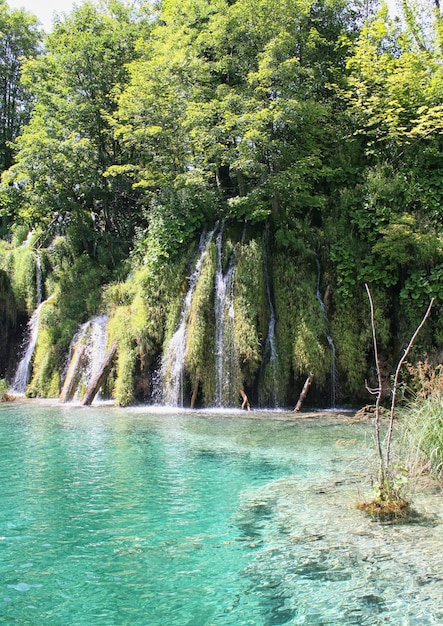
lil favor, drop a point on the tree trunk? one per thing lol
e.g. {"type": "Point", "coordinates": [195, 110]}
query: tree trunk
{"type": "Point", "coordinates": [102, 375]}
{"type": "Point", "coordinates": [74, 374]}
{"type": "Point", "coordinates": [194, 393]}
{"type": "Point", "coordinates": [304, 393]}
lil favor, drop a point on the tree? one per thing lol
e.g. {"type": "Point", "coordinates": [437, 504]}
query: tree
{"type": "Point", "coordinates": [228, 110]}
{"type": "Point", "coordinates": [20, 39]}
{"type": "Point", "coordinates": [63, 154]}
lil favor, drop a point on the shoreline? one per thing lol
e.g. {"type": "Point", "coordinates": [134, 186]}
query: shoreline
{"type": "Point", "coordinates": [255, 413]}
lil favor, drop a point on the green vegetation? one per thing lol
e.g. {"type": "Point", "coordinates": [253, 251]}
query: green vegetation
{"type": "Point", "coordinates": [311, 134]}
{"type": "Point", "coordinates": [421, 427]}
{"type": "Point", "coordinates": [424, 425]}
{"type": "Point", "coordinates": [4, 396]}
{"type": "Point", "coordinates": [387, 498]}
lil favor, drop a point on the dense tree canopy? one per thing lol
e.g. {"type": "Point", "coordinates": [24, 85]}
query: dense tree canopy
{"type": "Point", "coordinates": [19, 39]}
{"type": "Point", "coordinates": [62, 155]}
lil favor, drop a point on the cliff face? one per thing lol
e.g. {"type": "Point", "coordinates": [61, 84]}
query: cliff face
{"type": "Point", "coordinates": [235, 313]}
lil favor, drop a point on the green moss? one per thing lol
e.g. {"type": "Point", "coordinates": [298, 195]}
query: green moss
{"type": "Point", "coordinates": [8, 306]}
{"type": "Point", "coordinates": [301, 330]}
{"type": "Point", "coordinates": [142, 312]}
{"type": "Point", "coordinates": [285, 276]}
{"type": "Point", "coordinates": [4, 388]}
{"type": "Point", "coordinates": [352, 340]}
{"type": "Point", "coordinates": [119, 330]}
{"type": "Point", "coordinates": [46, 367]}
{"type": "Point", "coordinates": [200, 357]}
{"type": "Point", "coordinates": [250, 307]}
{"type": "Point", "coordinates": [24, 277]}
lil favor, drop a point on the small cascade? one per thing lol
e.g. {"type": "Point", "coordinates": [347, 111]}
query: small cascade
{"type": "Point", "coordinates": [92, 336]}
{"type": "Point", "coordinates": [23, 372]}
{"type": "Point", "coordinates": [225, 352]}
{"type": "Point", "coordinates": [95, 332]}
{"type": "Point", "coordinates": [173, 361]}
{"type": "Point", "coordinates": [328, 336]}
{"type": "Point", "coordinates": [38, 279]}
{"type": "Point", "coordinates": [270, 355]}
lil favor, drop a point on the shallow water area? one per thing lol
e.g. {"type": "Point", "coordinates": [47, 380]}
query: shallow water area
{"type": "Point", "coordinates": [147, 516]}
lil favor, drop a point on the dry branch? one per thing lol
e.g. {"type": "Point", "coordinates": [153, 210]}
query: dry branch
{"type": "Point", "coordinates": [102, 375]}
{"type": "Point", "coordinates": [303, 393]}
{"type": "Point", "coordinates": [73, 375]}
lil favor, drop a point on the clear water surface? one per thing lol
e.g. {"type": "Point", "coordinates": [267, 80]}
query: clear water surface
{"type": "Point", "coordinates": [114, 517]}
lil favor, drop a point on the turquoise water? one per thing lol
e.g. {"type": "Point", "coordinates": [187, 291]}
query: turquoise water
{"type": "Point", "coordinates": [112, 517]}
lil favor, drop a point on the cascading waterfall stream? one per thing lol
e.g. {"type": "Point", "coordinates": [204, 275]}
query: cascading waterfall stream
{"type": "Point", "coordinates": [270, 355]}
{"type": "Point", "coordinates": [96, 344]}
{"type": "Point", "coordinates": [23, 373]}
{"type": "Point", "coordinates": [328, 336]}
{"type": "Point", "coordinates": [173, 361]}
{"type": "Point", "coordinates": [93, 335]}
{"type": "Point", "coordinates": [225, 353]}
{"type": "Point", "coordinates": [38, 279]}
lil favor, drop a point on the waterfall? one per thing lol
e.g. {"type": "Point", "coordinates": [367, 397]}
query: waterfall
{"type": "Point", "coordinates": [225, 353]}
{"type": "Point", "coordinates": [173, 362]}
{"type": "Point", "coordinates": [328, 336]}
{"type": "Point", "coordinates": [23, 373]}
{"type": "Point", "coordinates": [86, 355]}
{"type": "Point", "coordinates": [270, 355]}
{"type": "Point", "coordinates": [93, 335]}
{"type": "Point", "coordinates": [38, 279]}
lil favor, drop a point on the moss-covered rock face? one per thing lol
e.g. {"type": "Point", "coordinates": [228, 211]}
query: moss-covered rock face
{"type": "Point", "coordinates": [251, 308]}
{"type": "Point", "coordinates": [261, 319]}
{"type": "Point", "coordinates": [200, 353]}
{"type": "Point", "coordinates": [11, 321]}
{"type": "Point", "coordinates": [47, 358]}
{"type": "Point", "coordinates": [301, 329]}
{"type": "Point", "coordinates": [142, 312]}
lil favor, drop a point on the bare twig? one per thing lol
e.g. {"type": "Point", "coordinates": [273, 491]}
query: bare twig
{"type": "Point", "coordinates": [378, 390]}
{"type": "Point", "coordinates": [395, 383]}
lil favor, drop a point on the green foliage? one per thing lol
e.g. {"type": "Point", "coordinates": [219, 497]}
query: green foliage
{"type": "Point", "coordinates": [404, 242]}
{"type": "Point", "coordinates": [200, 357]}
{"type": "Point", "coordinates": [4, 387]}
{"type": "Point", "coordinates": [249, 307]}
{"type": "Point", "coordinates": [301, 329]}
{"type": "Point", "coordinates": [48, 354]}
{"type": "Point", "coordinates": [138, 320]}
{"type": "Point", "coordinates": [285, 277]}
{"type": "Point", "coordinates": [422, 427]}
{"type": "Point", "coordinates": [78, 288]}
{"type": "Point", "coordinates": [421, 286]}
{"type": "Point", "coordinates": [23, 274]}
{"type": "Point", "coordinates": [311, 354]}
{"type": "Point", "coordinates": [144, 128]}
{"type": "Point", "coordinates": [171, 228]}
{"type": "Point", "coordinates": [8, 305]}
{"type": "Point", "coordinates": [119, 330]}
{"type": "Point", "coordinates": [19, 39]}
{"type": "Point", "coordinates": [68, 144]}
{"type": "Point", "coordinates": [352, 339]}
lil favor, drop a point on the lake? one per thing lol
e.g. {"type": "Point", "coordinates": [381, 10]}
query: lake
{"type": "Point", "coordinates": [147, 517]}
